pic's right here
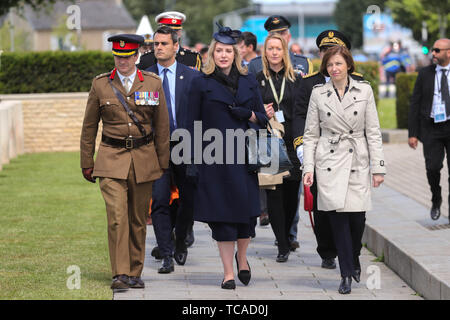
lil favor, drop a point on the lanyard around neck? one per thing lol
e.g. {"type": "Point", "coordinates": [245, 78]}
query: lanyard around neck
{"type": "Point", "coordinates": [275, 95]}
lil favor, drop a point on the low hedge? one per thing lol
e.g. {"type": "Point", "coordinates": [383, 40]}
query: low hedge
{"type": "Point", "coordinates": [52, 71]}
{"type": "Point", "coordinates": [404, 83]}
{"type": "Point", "coordinates": [370, 71]}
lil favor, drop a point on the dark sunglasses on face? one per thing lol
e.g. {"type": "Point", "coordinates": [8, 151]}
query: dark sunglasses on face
{"type": "Point", "coordinates": [438, 49]}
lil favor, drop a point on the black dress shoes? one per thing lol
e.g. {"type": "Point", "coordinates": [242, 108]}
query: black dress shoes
{"type": "Point", "coordinates": [329, 263]}
{"type": "Point", "coordinates": [190, 238]}
{"type": "Point", "coordinates": [167, 265]}
{"type": "Point", "coordinates": [230, 284]}
{"type": "Point", "coordinates": [357, 275]}
{"type": "Point", "coordinates": [243, 275]}
{"type": "Point", "coordinates": [180, 257]}
{"type": "Point", "coordinates": [136, 283]}
{"type": "Point", "coordinates": [435, 211]}
{"type": "Point", "coordinates": [283, 257]}
{"type": "Point", "coordinates": [120, 282]}
{"type": "Point", "coordinates": [346, 285]}
{"type": "Point", "coordinates": [156, 253]}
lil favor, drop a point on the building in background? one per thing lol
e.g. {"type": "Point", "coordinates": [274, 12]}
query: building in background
{"type": "Point", "coordinates": [308, 19]}
{"type": "Point", "coordinates": [46, 29]}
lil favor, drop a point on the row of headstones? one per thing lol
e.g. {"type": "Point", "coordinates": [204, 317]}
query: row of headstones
{"type": "Point", "coordinates": [11, 131]}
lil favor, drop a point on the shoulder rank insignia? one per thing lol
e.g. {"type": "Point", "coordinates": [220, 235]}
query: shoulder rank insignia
{"type": "Point", "coordinates": [298, 141]}
{"type": "Point", "coordinates": [310, 74]}
{"type": "Point", "coordinates": [357, 74]}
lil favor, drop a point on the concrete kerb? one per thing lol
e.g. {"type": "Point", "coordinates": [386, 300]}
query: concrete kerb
{"type": "Point", "coordinates": [407, 254]}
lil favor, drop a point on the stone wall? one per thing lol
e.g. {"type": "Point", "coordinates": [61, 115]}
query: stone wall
{"type": "Point", "coordinates": [42, 122]}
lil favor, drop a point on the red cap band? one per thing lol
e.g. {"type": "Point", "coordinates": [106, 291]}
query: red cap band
{"type": "Point", "coordinates": [170, 21]}
{"type": "Point", "coordinates": [122, 45]}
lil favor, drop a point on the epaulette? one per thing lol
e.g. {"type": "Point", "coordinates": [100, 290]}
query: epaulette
{"type": "Point", "coordinates": [184, 51]}
{"type": "Point", "coordinates": [358, 74]}
{"type": "Point", "coordinates": [149, 73]}
{"type": "Point", "coordinates": [363, 81]}
{"type": "Point", "coordinates": [103, 75]}
{"type": "Point", "coordinates": [310, 75]}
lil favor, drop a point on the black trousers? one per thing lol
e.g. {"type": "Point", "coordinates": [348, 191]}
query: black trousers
{"type": "Point", "coordinates": [282, 205]}
{"type": "Point", "coordinates": [436, 142]}
{"type": "Point", "coordinates": [348, 229]}
{"type": "Point", "coordinates": [322, 229]}
{"type": "Point", "coordinates": [164, 219]}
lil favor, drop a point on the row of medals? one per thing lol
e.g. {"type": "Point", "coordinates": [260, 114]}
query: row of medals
{"type": "Point", "coordinates": [146, 98]}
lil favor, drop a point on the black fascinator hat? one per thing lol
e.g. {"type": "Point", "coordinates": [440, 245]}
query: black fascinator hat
{"type": "Point", "coordinates": [225, 35]}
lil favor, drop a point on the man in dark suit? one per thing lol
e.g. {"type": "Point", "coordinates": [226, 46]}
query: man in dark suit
{"type": "Point", "coordinates": [429, 118]}
{"type": "Point", "coordinates": [176, 79]}
{"type": "Point", "coordinates": [174, 20]}
{"type": "Point", "coordinates": [322, 228]}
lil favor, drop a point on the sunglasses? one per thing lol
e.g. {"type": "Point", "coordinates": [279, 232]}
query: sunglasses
{"type": "Point", "coordinates": [438, 49]}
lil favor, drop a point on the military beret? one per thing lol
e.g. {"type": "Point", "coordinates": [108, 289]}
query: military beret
{"type": "Point", "coordinates": [173, 19]}
{"type": "Point", "coordinates": [124, 45]}
{"type": "Point", "coordinates": [276, 23]}
{"type": "Point", "coordinates": [226, 35]}
{"type": "Point", "coordinates": [332, 38]}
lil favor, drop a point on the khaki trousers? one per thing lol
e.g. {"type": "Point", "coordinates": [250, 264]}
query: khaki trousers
{"type": "Point", "coordinates": [127, 205]}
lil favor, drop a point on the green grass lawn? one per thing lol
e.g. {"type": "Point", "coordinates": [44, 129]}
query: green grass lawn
{"type": "Point", "coordinates": [50, 219]}
{"type": "Point", "coordinates": [386, 113]}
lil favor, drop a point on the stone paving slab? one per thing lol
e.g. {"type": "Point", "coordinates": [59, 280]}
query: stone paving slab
{"type": "Point", "coordinates": [300, 278]}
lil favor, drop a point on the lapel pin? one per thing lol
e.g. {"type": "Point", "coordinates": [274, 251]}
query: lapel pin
{"type": "Point", "coordinates": [328, 93]}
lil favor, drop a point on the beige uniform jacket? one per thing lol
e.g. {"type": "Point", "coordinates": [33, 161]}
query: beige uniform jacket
{"type": "Point", "coordinates": [102, 104]}
{"type": "Point", "coordinates": [343, 146]}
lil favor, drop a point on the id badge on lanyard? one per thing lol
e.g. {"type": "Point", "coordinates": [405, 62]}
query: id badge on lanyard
{"type": "Point", "coordinates": [279, 114]}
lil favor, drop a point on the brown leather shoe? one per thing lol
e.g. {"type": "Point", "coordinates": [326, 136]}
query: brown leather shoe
{"type": "Point", "coordinates": [136, 283]}
{"type": "Point", "coordinates": [120, 282]}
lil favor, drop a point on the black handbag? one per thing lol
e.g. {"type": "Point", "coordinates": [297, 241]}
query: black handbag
{"type": "Point", "coordinates": [266, 150]}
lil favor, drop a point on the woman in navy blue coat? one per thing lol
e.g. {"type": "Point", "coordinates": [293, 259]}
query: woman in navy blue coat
{"type": "Point", "coordinates": [225, 99]}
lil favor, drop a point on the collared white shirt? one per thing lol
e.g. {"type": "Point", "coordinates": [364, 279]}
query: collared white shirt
{"type": "Point", "coordinates": [437, 97]}
{"type": "Point", "coordinates": [171, 77]}
{"type": "Point", "coordinates": [131, 77]}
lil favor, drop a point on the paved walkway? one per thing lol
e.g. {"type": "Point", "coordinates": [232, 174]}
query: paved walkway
{"type": "Point", "coordinates": [398, 228]}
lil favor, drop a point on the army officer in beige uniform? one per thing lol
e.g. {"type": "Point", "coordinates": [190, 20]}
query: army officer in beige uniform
{"type": "Point", "coordinates": [134, 152]}
{"type": "Point", "coordinates": [342, 144]}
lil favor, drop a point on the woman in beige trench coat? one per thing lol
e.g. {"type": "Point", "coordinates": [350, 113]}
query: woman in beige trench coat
{"type": "Point", "coordinates": [343, 150]}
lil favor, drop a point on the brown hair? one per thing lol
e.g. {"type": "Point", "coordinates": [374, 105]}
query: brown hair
{"type": "Point", "coordinates": [289, 72]}
{"type": "Point", "coordinates": [210, 65]}
{"type": "Point", "coordinates": [334, 50]}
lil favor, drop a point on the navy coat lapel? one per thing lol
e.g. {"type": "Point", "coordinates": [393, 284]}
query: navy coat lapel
{"type": "Point", "coordinates": [218, 93]}
{"type": "Point", "coordinates": [179, 87]}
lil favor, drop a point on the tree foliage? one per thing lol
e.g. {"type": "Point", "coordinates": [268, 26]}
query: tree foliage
{"type": "Point", "coordinates": [411, 13]}
{"type": "Point", "coordinates": [348, 16]}
{"type": "Point", "coordinates": [199, 13]}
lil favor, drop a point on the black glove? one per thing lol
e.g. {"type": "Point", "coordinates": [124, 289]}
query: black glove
{"type": "Point", "coordinates": [192, 174]}
{"type": "Point", "coordinates": [241, 113]}
{"type": "Point", "coordinates": [87, 174]}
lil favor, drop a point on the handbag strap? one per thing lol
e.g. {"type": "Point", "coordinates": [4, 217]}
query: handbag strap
{"type": "Point", "coordinates": [128, 110]}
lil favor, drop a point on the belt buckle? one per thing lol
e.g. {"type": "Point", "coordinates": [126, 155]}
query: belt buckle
{"type": "Point", "coordinates": [128, 143]}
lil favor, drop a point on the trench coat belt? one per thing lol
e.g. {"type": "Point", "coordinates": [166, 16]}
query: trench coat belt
{"type": "Point", "coordinates": [335, 137]}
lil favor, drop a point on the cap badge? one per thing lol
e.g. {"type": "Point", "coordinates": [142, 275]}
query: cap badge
{"type": "Point", "coordinates": [275, 21]}
{"type": "Point", "coordinates": [174, 20]}
{"type": "Point", "coordinates": [122, 43]}
{"type": "Point", "coordinates": [330, 34]}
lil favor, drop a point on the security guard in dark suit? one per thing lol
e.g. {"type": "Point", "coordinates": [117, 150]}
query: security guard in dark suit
{"type": "Point", "coordinates": [280, 24]}
{"type": "Point", "coordinates": [322, 228]}
{"type": "Point", "coordinates": [185, 56]}
{"type": "Point", "coordinates": [133, 153]}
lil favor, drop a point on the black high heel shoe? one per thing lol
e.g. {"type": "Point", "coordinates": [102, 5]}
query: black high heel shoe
{"type": "Point", "coordinates": [243, 275]}
{"type": "Point", "coordinates": [357, 275]}
{"type": "Point", "coordinates": [346, 285]}
{"type": "Point", "coordinates": [230, 284]}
